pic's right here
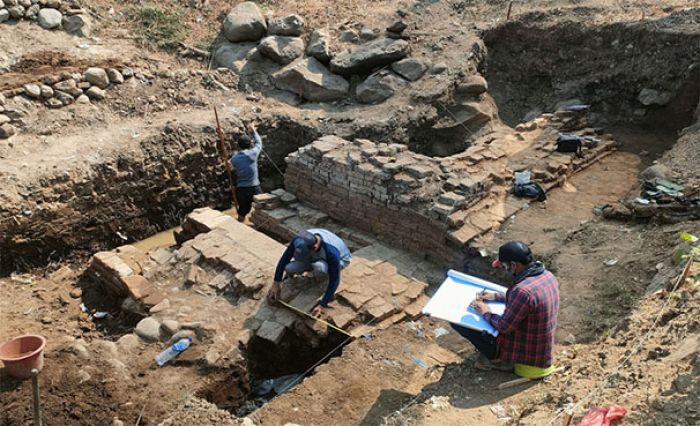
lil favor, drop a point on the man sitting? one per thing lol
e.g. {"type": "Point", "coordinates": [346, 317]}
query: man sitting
{"type": "Point", "coordinates": [525, 340]}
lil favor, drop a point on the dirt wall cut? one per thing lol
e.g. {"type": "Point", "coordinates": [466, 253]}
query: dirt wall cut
{"type": "Point", "coordinates": [117, 200]}
{"type": "Point", "coordinates": [643, 72]}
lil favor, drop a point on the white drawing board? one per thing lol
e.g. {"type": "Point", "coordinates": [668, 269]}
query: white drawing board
{"type": "Point", "coordinates": [451, 301]}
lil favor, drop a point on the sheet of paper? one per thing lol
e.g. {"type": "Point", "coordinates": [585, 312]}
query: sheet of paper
{"type": "Point", "coordinates": [451, 301]}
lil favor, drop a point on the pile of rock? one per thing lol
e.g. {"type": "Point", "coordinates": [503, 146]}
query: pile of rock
{"type": "Point", "coordinates": [66, 89]}
{"type": "Point", "coordinates": [49, 14]}
{"type": "Point", "coordinates": [9, 118]}
{"type": "Point", "coordinates": [313, 71]}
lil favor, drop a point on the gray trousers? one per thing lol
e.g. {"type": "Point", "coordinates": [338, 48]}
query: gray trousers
{"type": "Point", "coordinates": [319, 267]}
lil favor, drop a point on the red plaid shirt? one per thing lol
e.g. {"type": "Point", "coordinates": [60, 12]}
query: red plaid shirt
{"type": "Point", "coordinates": [526, 329]}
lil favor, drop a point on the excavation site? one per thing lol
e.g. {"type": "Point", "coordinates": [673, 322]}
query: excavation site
{"type": "Point", "coordinates": [388, 212]}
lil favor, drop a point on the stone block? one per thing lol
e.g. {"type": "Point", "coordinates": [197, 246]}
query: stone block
{"type": "Point", "coordinates": [160, 307]}
{"type": "Point", "coordinates": [135, 286]}
{"type": "Point", "coordinates": [271, 331]}
{"type": "Point", "coordinates": [415, 309]}
{"type": "Point", "coordinates": [195, 275]}
{"type": "Point", "coordinates": [379, 308]}
{"type": "Point", "coordinates": [304, 301]}
{"type": "Point", "coordinates": [419, 171]}
{"type": "Point", "coordinates": [154, 297]}
{"type": "Point", "coordinates": [342, 319]}
{"type": "Point", "coordinates": [221, 281]}
{"type": "Point", "coordinates": [415, 289]}
{"type": "Point", "coordinates": [161, 256]}
{"type": "Point", "coordinates": [112, 264]}
{"type": "Point", "coordinates": [357, 296]}
{"type": "Point", "coordinates": [285, 317]}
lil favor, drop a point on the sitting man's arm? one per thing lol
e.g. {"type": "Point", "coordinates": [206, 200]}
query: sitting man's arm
{"type": "Point", "coordinates": [517, 308]}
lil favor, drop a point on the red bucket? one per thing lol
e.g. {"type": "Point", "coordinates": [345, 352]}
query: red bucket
{"type": "Point", "coordinates": [22, 354]}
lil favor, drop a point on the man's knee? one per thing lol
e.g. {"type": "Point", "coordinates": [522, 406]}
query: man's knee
{"type": "Point", "coordinates": [320, 267]}
{"type": "Point", "coordinates": [296, 268]}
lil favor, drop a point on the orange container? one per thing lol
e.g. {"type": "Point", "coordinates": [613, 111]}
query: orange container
{"type": "Point", "coordinates": [22, 354]}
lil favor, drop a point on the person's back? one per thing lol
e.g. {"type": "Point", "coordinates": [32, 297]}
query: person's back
{"type": "Point", "coordinates": [335, 241]}
{"type": "Point", "coordinates": [532, 340]}
{"type": "Point", "coordinates": [245, 164]}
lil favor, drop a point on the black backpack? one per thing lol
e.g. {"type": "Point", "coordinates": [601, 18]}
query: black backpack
{"type": "Point", "coordinates": [570, 143]}
{"type": "Point", "coordinates": [530, 190]}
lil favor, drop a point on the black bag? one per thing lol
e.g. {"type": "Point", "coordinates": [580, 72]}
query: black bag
{"type": "Point", "coordinates": [570, 143]}
{"type": "Point", "coordinates": [530, 190]}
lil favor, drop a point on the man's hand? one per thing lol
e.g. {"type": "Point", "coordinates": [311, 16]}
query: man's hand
{"type": "Point", "coordinates": [220, 132]}
{"type": "Point", "coordinates": [274, 294]}
{"type": "Point", "coordinates": [485, 296]}
{"type": "Point", "coordinates": [480, 307]}
{"type": "Point", "coordinates": [251, 128]}
{"type": "Point", "coordinates": [317, 311]}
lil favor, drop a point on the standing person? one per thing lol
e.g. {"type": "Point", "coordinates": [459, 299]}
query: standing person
{"type": "Point", "coordinates": [317, 250]}
{"type": "Point", "coordinates": [525, 341]}
{"type": "Point", "coordinates": [245, 165]}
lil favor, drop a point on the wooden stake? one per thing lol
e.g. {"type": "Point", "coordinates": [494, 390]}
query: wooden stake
{"type": "Point", "coordinates": [510, 7]}
{"type": "Point", "coordinates": [567, 418]}
{"type": "Point", "coordinates": [227, 161]}
{"type": "Point", "coordinates": [36, 403]}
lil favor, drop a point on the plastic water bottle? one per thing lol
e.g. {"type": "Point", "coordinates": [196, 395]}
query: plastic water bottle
{"type": "Point", "coordinates": [173, 351]}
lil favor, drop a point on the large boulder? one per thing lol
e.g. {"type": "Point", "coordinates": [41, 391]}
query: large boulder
{"type": "Point", "coordinates": [233, 55]}
{"type": "Point", "coordinates": [410, 68]}
{"type": "Point", "coordinates": [77, 25]}
{"type": "Point", "coordinates": [319, 46]}
{"type": "Point", "coordinates": [148, 329]}
{"type": "Point", "coordinates": [282, 49]}
{"type": "Point", "coordinates": [49, 19]}
{"type": "Point", "coordinates": [4, 15]}
{"type": "Point", "coordinates": [292, 25]}
{"type": "Point", "coordinates": [365, 57]}
{"type": "Point", "coordinates": [312, 80]}
{"type": "Point", "coordinates": [245, 22]}
{"type": "Point", "coordinates": [379, 87]}
{"type": "Point", "coordinates": [97, 77]}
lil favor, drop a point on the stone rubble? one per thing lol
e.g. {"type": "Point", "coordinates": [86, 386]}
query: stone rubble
{"type": "Point", "coordinates": [48, 14]}
{"type": "Point", "coordinates": [58, 91]}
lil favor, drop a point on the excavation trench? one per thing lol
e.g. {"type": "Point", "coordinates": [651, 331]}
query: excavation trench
{"type": "Point", "coordinates": [270, 370]}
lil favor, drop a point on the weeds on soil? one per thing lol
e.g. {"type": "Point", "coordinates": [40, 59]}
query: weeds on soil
{"type": "Point", "coordinates": [159, 28]}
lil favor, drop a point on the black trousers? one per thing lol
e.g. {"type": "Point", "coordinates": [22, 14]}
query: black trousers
{"type": "Point", "coordinates": [482, 341]}
{"type": "Point", "coordinates": [245, 198]}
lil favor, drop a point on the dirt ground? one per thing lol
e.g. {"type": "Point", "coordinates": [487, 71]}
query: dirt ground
{"type": "Point", "coordinates": [611, 316]}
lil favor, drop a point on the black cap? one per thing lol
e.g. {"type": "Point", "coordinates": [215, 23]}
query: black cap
{"type": "Point", "coordinates": [513, 251]}
{"type": "Point", "coordinates": [244, 141]}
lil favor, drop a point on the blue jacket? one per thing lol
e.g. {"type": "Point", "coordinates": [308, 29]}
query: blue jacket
{"type": "Point", "coordinates": [245, 164]}
{"type": "Point", "coordinates": [336, 257]}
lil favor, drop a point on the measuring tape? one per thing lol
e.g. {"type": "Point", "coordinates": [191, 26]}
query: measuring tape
{"type": "Point", "coordinates": [299, 311]}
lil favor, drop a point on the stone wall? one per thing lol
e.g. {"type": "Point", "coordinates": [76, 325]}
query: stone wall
{"type": "Point", "coordinates": [380, 188]}
{"type": "Point", "coordinates": [434, 207]}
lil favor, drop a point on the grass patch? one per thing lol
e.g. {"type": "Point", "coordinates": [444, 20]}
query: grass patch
{"type": "Point", "coordinates": [158, 28]}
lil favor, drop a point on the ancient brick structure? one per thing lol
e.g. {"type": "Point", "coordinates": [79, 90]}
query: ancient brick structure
{"type": "Point", "coordinates": [435, 207]}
